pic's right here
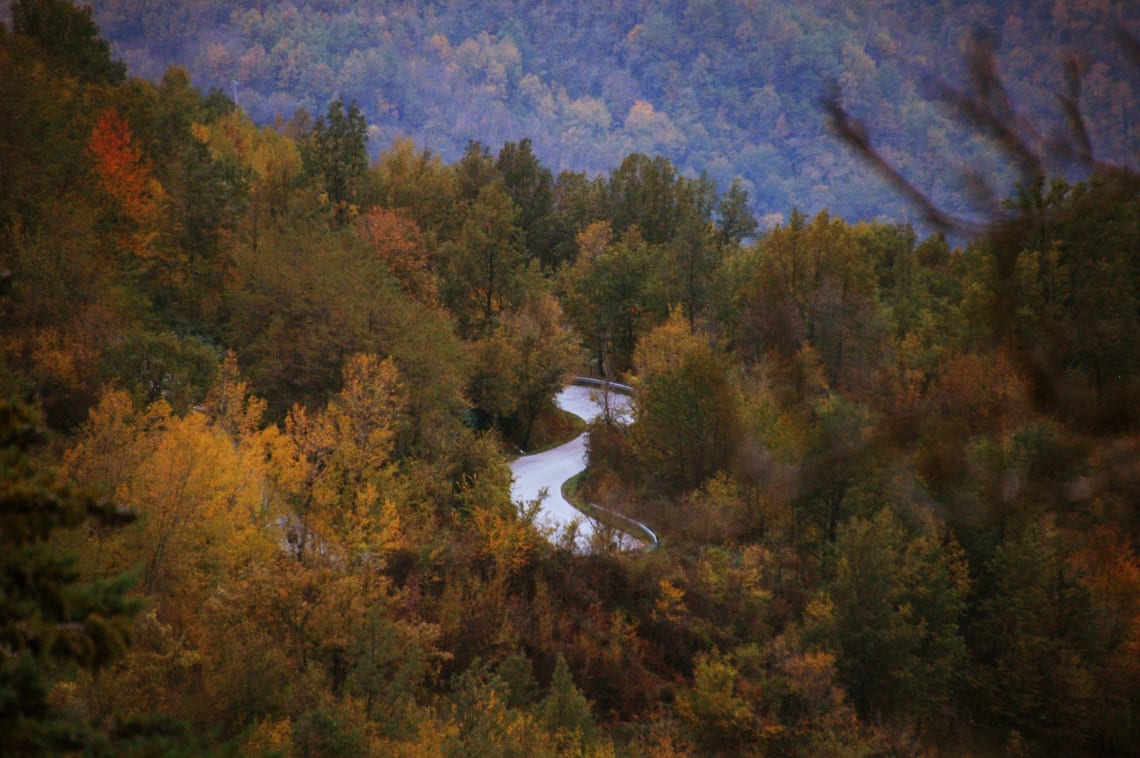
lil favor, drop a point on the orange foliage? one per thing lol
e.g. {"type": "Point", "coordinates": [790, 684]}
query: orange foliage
{"type": "Point", "coordinates": [125, 176]}
{"type": "Point", "coordinates": [399, 244]}
{"type": "Point", "coordinates": [983, 391]}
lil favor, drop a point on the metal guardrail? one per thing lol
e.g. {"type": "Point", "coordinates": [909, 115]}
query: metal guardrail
{"type": "Point", "coordinates": [649, 537]}
{"type": "Point", "coordinates": [589, 381]}
{"type": "Point", "coordinates": [652, 543]}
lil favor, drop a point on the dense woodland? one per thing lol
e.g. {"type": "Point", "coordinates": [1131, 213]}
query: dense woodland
{"type": "Point", "coordinates": [261, 391]}
{"type": "Point", "coordinates": [727, 87]}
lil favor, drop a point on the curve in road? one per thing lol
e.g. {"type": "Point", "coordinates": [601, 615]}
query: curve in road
{"type": "Point", "coordinates": [549, 470]}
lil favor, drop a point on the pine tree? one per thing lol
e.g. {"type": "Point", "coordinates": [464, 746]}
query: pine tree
{"type": "Point", "coordinates": [565, 711]}
{"type": "Point", "coordinates": [50, 621]}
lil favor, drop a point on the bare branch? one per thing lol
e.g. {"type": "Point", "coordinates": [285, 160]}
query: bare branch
{"type": "Point", "coordinates": [987, 107]}
{"type": "Point", "coordinates": [1078, 145]}
{"type": "Point", "coordinates": [854, 134]}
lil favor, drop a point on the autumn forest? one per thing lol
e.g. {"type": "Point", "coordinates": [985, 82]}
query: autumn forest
{"type": "Point", "coordinates": [262, 375]}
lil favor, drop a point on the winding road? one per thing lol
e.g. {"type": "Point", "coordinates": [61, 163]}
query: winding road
{"type": "Point", "coordinates": [550, 469]}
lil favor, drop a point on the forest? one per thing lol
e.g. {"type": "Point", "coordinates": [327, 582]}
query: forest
{"type": "Point", "coordinates": [730, 88]}
{"type": "Point", "coordinates": [260, 385]}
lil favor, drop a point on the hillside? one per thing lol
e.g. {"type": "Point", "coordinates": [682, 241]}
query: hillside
{"type": "Point", "coordinates": [260, 390]}
{"type": "Point", "coordinates": [728, 88]}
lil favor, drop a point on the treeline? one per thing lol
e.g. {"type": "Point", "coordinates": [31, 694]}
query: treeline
{"type": "Point", "coordinates": [895, 482]}
{"type": "Point", "coordinates": [728, 88]}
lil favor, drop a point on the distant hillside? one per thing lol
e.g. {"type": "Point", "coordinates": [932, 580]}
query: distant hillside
{"type": "Point", "coordinates": [729, 88]}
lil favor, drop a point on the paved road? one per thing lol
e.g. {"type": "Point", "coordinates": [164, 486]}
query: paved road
{"type": "Point", "coordinates": [550, 469]}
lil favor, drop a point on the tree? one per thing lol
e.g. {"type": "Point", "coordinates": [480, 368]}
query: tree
{"type": "Point", "coordinates": [337, 151]}
{"type": "Point", "coordinates": [299, 302]}
{"type": "Point", "coordinates": [891, 614]}
{"type": "Point", "coordinates": [125, 176]}
{"type": "Point", "coordinates": [643, 192]}
{"type": "Point", "coordinates": [475, 171]}
{"type": "Point", "coordinates": [51, 620]}
{"type": "Point", "coordinates": [735, 221]}
{"type": "Point", "coordinates": [418, 184]}
{"type": "Point", "coordinates": [1032, 641]}
{"type": "Point", "coordinates": [491, 381]}
{"type": "Point", "coordinates": [604, 294]}
{"type": "Point", "coordinates": [565, 711]}
{"type": "Point", "coordinates": [693, 260]}
{"type": "Point", "coordinates": [69, 38]}
{"type": "Point", "coordinates": [399, 244]}
{"type": "Point", "coordinates": [713, 709]}
{"type": "Point", "coordinates": [337, 465]}
{"type": "Point", "coordinates": [200, 494]}
{"type": "Point", "coordinates": [161, 367]}
{"type": "Point", "coordinates": [1038, 291]}
{"type": "Point", "coordinates": [545, 352]}
{"type": "Point", "coordinates": [578, 202]}
{"type": "Point", "coordinates": [484, 260]}
{"type": "Point", "coordinates": [531, 188]}
{"type": "Point", "coordinates": [685, 408]}
{"type": "Point", "coordinates": [814, 284]}
{"type": "Point", "coordinates": [838, 451]}
{"type": "Point", "coordinates": [1071, 309]}
{"type": "Point", "coordinates": [481, 722]}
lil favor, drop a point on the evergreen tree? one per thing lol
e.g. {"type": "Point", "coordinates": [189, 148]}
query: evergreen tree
{"type": "Point", "coordinates": [50, 621]}
{"type": "Point", "coordinates": [565, 711]}
{"type": "Point", "coordinates": [338, 152]}
{"type": "Point", "coordinates": [69, 38]}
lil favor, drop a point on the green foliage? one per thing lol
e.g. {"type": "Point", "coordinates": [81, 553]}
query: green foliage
{"type": "Point", "coordinates": [52, 620]}
{"type": "Point", "coordinates": [162, 367]}
{"type": "Point", "coordinates": [531, 187]}
{"type": "Point", "coordinates": [1033, 641]}
{"type": "Point", "coordinates": [337, 152]}
{"type": "Point", "coordinates": [735, 221]}
{"type": "Point", "coordinates": [484, 261]}
{"type": "Point", "coordinates": [69, 38]}
{"type": "Point", "coordinates": [685, 409]}
{"type": "Point", "coordinates": [713, 711]}
{"type": "Point", "coordinates": [815, 285]}
{"type": "Point", "coordinates": [605, 294]}
{"type": "Point", "coordinates": [544, 354]}
{"type": "Point", "coordinates": [891, 614]}
{"type": "Point", "coordinates": [565, 712]}
{"type": "Point", "coordinates": [1066, 293]}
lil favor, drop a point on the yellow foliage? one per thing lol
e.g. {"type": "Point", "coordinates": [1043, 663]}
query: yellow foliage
{"type": "Point", "coordinates": [269, 736]}
{"type": "Point", "coordinates": [333, 468]}
{"type": "Point", "coordinates": [594, 240]}
{"type": "Point", "coordinates": [666, 346]}
{"type": "Point", "coordinates": [670, 604]}
{"type": "Point", "coordinates": [507, 540]}
{"type": "Point", "coordinates": [199, 491]}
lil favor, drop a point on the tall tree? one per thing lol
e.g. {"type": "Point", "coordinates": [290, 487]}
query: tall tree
{"type": "Point", "coordinates": [531, 188]}
{"type": "Point", "coordinates": [604, 293]}
{"type": "Point", "coordinates": [735, 221]}
{"type": "Point", "coordinates": [1033, 640]}
{"type": "Point", "coordinates": [891, 614]}
{"type": "Point", "coordinates": [475, 170]}
{"type": "Point", "coordinates": [69, 38]}
{"type": "Point", "coordinates": [51, 620]}
{"type": "Point", "coordinates": [643, 192]}
{"type": "Point", "coordinates": [484, 260]}
{"type": "Point", "coordinates": [685, 407]}
{"type": "Point", "coordinates": [566, 712]}
{"type": "Point", "coordinates": [337, 152]}
{"type": "Point", "coordinates": [816, 285]}
{"type": "Point", "coordinates": [545, 351]}
{"type": "Point", "coordinates": [693, 260]}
